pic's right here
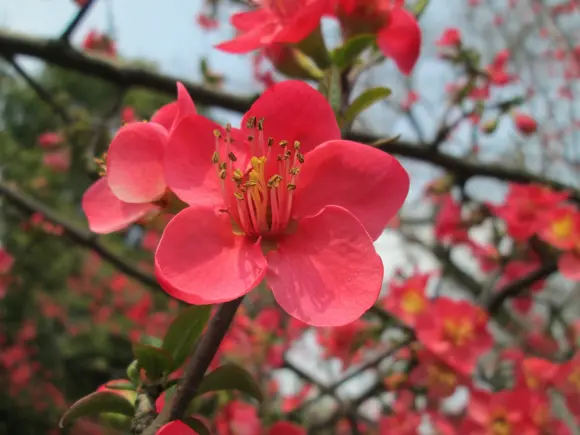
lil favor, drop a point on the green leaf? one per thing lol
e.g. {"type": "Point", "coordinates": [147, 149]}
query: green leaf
{"type": "Point", "coordinates": [121, 385]}
{"type": "Point", "coordinates": [155, 361]}
{"type": "Point", "coordinates": [230, 377]}
{"type": "Point", "coordinates": [184, 332]}
{"type": "Point", "coordinates": [133, 372]}
{"type": "Point", "coordinates": [197, 425]}
{"type": "Point", "coordinates": [331, 88]}
{"type": "Point", "coordinates": [150, 340]}
{"type": "Point", "coordinates": [420, 7]}
{"type": "Point", "coordinates": [346, 54]}
{"type": "Point", "coordinates": [97, 403]}
{"type": "Point", "coordinates": [364, 101]}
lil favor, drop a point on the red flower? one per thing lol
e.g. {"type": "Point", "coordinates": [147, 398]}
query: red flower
{"type": "Point", "coordinates": [407, 300]}
{"type": "Point", "coordinates": [398, 32]}
{"type": "Point", "coordinates": [439, 378]}
{"type": "Point", "coordinates": [58, 161]}
{"type": "Point", "coordinates": [562, 227]}
{"type": "Point", "coordinates": [99, 42]}
{"type": "Point", "coordinates": [456, 331]}
{"type": "Point", "coordinates": [50, 139]}
{"type": "Point", "coordinates": [451, 37]}
{"type": "Point", "coordinates": [134, 177]}
{"type": "Point", "coordinates": [6, 261]}
{"type": "Point", "coordinates": [276, 21]}
{"type": "Point", "coordinates": [305, 207]}
{"type": "Point", "coordinates": [176, 428]}
{"type": "Point", "coordinates": [449, 226]}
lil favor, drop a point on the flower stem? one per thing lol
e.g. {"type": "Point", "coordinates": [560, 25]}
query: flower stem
{"type": "Point", "coordinates": [198, 364]}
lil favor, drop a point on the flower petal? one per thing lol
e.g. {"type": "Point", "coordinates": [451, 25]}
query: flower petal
{"type": "Point", "coordinates": [250, 40]}
{"type": "Point", "coordinates": [106, 213]}
{"type": "Point", "coordinates": [327, 273]}
{"type": "Point", "coordinates": [170, 114]}
{"type": "Point", "coordinates": [200, 261]}
{"type": "Point", "coordinates": [401, 39]}
{"type": "Point", "coordinates": [294, 111]}
{"type": "Point", "coordinates": [176, 427]}
{"type": "Point", "coordinates": [165, 115]}
{"type": "Point", "coordinates": [135, 162]}
{"type": "Point", "coordinates": [189, 170]}
{"type": "Point", "coordinates": [286, 428]}
{"type": "Point", "coordinates": [369, 183]}
{"type": "Point", "coordinates": [246, 21]}
{"type": "Point", "coordinates": [304, 22]}
{"type": "Point", "coordinates": [569, 266]}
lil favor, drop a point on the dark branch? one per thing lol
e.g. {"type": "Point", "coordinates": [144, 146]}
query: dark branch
{"type": "Point", "coordinates": [519, 286]}
{"type": "Point", "coordinates": [65, 37]}
{"type": "Point", "coordinates": [59, 54]}
{"type": "Point", "coordinates": [82, 237]}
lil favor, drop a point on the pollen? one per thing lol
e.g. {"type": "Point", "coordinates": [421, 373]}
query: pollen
{"type": "Point", "coordinates": [259, 191]}
{"type": "Point", "coordinates": [412, 302]}
{"type": "Point", "coordinates": [458, 331]}
{"type": "Point", "coordinates": [101, 163]}
{"type": "Point", "coordinates": [562, 228]}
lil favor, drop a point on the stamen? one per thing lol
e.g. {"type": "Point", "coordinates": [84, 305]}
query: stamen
{"type": "Point", "coordinates": [300, 157]}
{"type": "Point", "coordinates": [291, 186]}
{"type": "Point", "coordinates": [232, 156]}
{"type": "Point", "coordinates": [215, 158]}
{"type": "Point", "coordinates": [251, 122]}
{"type": "Point", "coordinates": [239, 195]}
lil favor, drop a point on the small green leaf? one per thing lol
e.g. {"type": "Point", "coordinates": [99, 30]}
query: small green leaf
{"type": "Point", "coordinates": [150, 340]}
{"type": "Point", "coordinates": [155, 361]}
{"type": "Point", "coordinates": [420, 7]}
{"type": "Point", "coordinates": [133, 372]}
{"type": "Point", "coordinates": [184, 332]}
{"type": "Point", "coordinates": [331, 88]}
{"type": "Point", "coordinates": [364, 101]}
{"type": "Point", "coordinates": [346, 54]}
{"type": "Point", "coordinates": [97, 403]}
{"type": "Point", "coordinates": [197, 425]}
{"type": "Point", "coordinates": [230, 377]}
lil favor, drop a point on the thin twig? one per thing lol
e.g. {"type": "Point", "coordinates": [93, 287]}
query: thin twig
{"type": "Point", "coordinates": [65, 37]}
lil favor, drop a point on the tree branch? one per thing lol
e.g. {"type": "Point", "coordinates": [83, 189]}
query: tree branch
{"type": "Point", "coordinates": [65, 37]}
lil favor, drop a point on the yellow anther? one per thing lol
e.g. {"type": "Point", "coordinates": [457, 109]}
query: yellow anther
{"type": "Point", "coordinates": [222, 165]}
{"type": "Point", "coordinates": [223, 174]}
{"type": "Point", "coordinates": [261, 124]}
{"type": "Point", "coordinates": [217, 133]}
{"type": "Point", "coordinates": [238, 175]}
{"type": "Point", "coordinates": [251, 122]}
{"type": "Point", "coordinates": [232, 156]}
{"type": "Point", "coordinates": [257, 162]}
{"type": "Point", "coordinates": [300, 157]}
{"type": "Point", "coordinates": [296, 145]}
{"type": "Point", "coordinates": [283, 143]}
{"type": "Point", "coordinates": [294, 171]}
{"type": "Point", "coordinates": [274, 180]}
{"type": "Point", "coordinates": [291, 186]}
{"type": "Point", "coordinates": [239, 195]}
{"type": "Point", "coordinates": [215, 158]}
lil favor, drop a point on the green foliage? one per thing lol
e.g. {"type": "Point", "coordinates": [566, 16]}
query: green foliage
{"type": "Point", "coordinates": [97, 403]}
{"type": "Point", "coordinates": [230, 377]}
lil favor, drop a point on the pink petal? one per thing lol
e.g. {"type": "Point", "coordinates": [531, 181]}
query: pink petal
{"type": "Point", "coordinates": [569, 266]}
{"type": "Point", "coordinates": [251, 40]}
{"type": "Point", "coordinates": [165, 115]}
{"type": "Point", "coordinates": [106, 213]}
{"type": "Point", "coordinates": [286, 428]}
{"type": "Point", "coordinates": [246, 21]}
{"type": "Point", "coordinates": [295, 111]}
{"type": "Point", "coordinates": [176, 428]}
{"type": "Point", "coordinates": [327, 273]}
{"type": "Point", "coordinates": [189, 170]}
{"type": "Point", "coordinates": [135, 162]}
{"type": "Point", "coordinates": [304, 22]}
{"type": "Point", "coordinates": [401, 39]}
{"type": "Point", "coordinates": [200, 261]}
{"type": "Point", "coordinates": [369, 183]}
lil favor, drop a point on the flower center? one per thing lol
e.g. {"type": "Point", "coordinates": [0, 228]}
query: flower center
{"type": "Point", "coordinates": [258, 194]}
{"type": "Point", "coordinates": [500, 425]}
{"type": "Point", "coordinates": [413, 302]}
{"type": "Point", "coordinates": [562, 228]}
{"type": "Point", "coordinates": [458, 331]}
{"type": "Point", "coordinates": [438, 374]}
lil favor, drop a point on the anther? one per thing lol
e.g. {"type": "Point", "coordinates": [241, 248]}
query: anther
{"type": "Point", "coordinates": [283, 143]}
{"type": "Point", "coordinates": [222, 165]}
{"type": "Point", "coordinates": [270, 141]}
{"type": "Point", "coordinates": [232, 156]}
{"type": "Point", "coordinates": [250, 138]}
{"type": "Point", "coordinates": [228, 127]}
{"type": "Point", "coordinates": [296, 145]}
{"type": "Point", "coordinates": [291, 186]}
{"type": "Point", "coordinates": [215, 158]}
{"type": "Point", "coordinates": [249, 183]}
{"type": "Point", "coordinates": [223, 174]}
{"type": "Point", "coordinates": [261, 124]}
{"type": "Point", "coordinates": [251, 122]}
{"type": "Point", "coordinates": [300, 157]}
{"type": "Point", "coordinates": [287, 154]}
{"type": "Point", "coordinates": [217, 133]}
{"type": "Point", "coordinates": [239, 195]}
{"type": "Point", "coordinates": [237, 175]}
{"type": "Point", "coordinates": [274, 180]}
{"type": "Point", "coordinates": [294, 171]}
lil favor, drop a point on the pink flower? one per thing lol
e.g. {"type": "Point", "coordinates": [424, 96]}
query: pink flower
{"type": "Point", "coordinates": [58, 161]}
{"type": "Point", "coordinates": [134, 178]}
{"type": "Point", "coordinates": [525, 124]}
{"type": "Point", "coordinates": [451, 37]}
{"type": "Point", "coordinates": [6, 261]}
{"type": "Point", "coordinates": [50, 139]}
{"type": "Point", "coordinates": [275, 21]}
{"type": "Point", "coordinates": [398, 32]}
{"type": "Point", "coordinates": [305, 208]}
